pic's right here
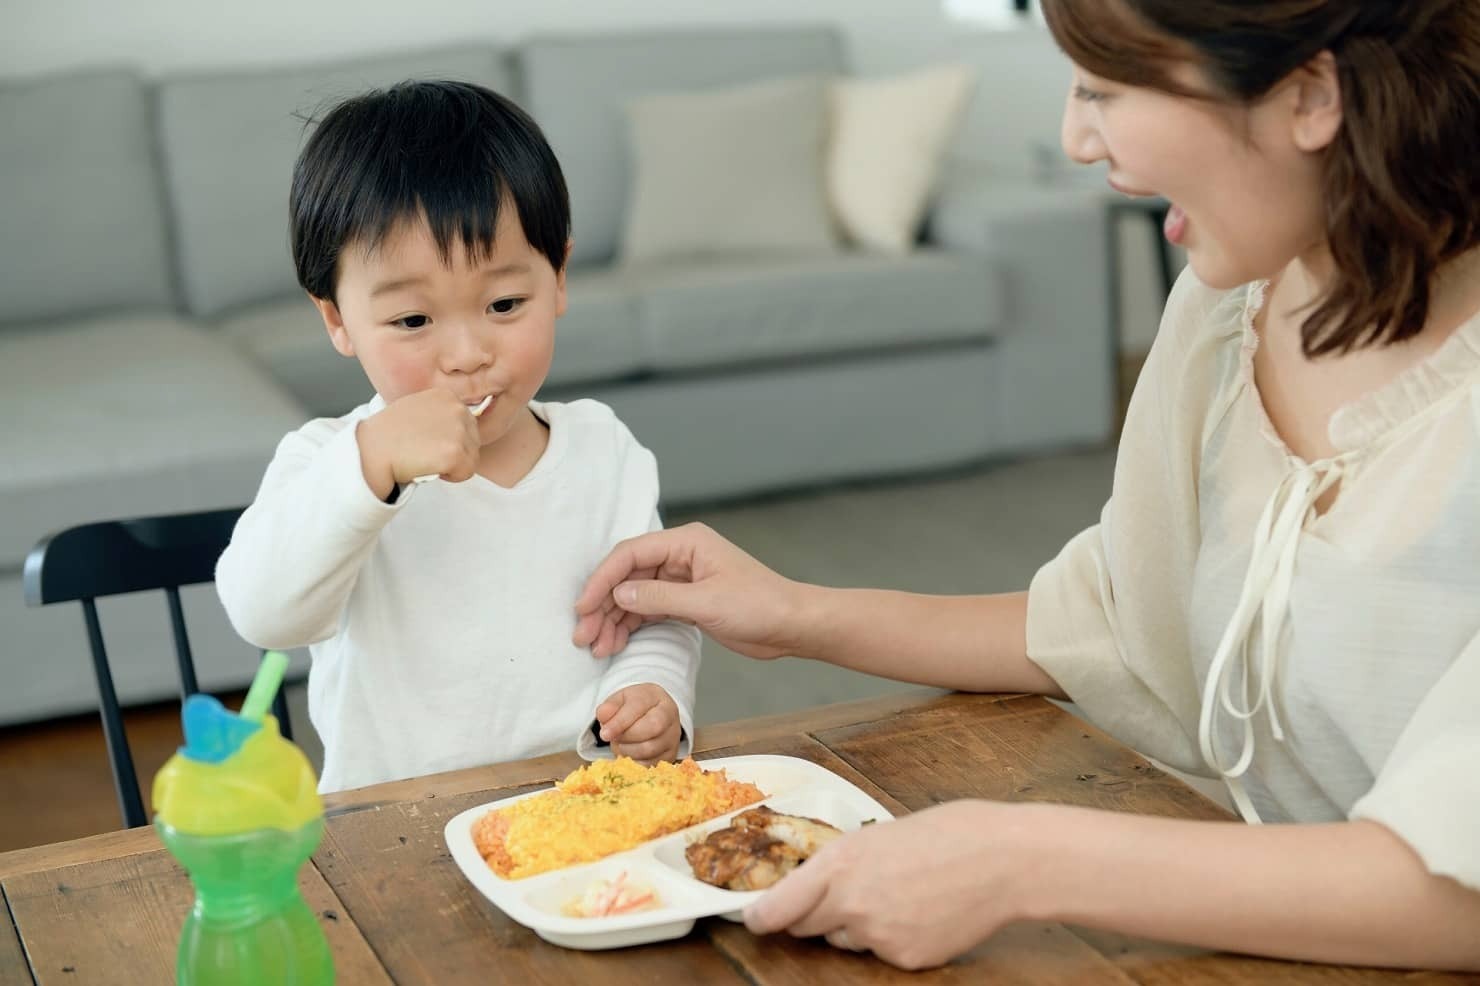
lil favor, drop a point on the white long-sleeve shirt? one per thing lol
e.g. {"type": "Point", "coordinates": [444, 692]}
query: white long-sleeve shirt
{"type": "Point", "coordinates": [1350, 638]}
{"type": "Point", "coordinates": [440, 625]}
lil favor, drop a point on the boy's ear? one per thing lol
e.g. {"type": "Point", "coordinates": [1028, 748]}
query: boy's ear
{"type": "Point", "coordinates": [334, 323]}
{"type": "Point", "coordinates": [1318, 112]}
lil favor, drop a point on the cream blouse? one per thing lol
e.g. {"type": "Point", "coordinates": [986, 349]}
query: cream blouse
{"type": "Point", "coordinates": [1327, 665]}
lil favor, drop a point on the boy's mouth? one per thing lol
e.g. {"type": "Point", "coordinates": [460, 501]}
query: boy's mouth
{"type": "Point", "coordinates": [476, 408]}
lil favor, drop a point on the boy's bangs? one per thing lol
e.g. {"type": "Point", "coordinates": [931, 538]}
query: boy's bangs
{"type": "Point", "coordinates": [1111, 41]}
{"type": "Point", "coordinates": [461, 210]}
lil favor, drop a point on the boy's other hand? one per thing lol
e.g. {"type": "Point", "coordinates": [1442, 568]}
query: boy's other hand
{"type": "Point", "coordinates": [641, 722]}
{"type": "Point", "coordinates": [422, 434]}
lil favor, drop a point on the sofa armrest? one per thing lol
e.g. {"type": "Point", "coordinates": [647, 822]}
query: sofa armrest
{"type": "Point", "coordinates": [1050, 245]}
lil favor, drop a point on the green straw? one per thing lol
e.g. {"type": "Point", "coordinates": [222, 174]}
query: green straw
{"type": "Point", "coordinates": [264, 686]}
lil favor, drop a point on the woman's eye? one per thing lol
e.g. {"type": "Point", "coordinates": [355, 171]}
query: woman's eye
{"type": "Point", "coordinates": [506, 306]}
{"type": "Point", "coordinates": [1087, 95]}
{"type": "Point", "coordinates": [411, 321]}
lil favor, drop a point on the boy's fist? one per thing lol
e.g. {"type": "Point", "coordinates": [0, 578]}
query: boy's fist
{"type": "Point", "coordinates": [641, 722]}
{"type": "Point", "coordinates": [421, 434]}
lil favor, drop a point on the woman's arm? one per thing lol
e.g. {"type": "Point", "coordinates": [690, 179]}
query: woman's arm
{"type": "Point", "coordinates": [691, 573]}
{"type": "Point", "coordinates": [1347, 892]}
{"type": "Point", "coordinates": [969, 643]}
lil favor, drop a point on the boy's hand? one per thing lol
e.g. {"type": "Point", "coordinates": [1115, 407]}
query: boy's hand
{"type": "Point", "coordinates": [421, 434]}
{"type": "Point", "coordinates": [641, 722]}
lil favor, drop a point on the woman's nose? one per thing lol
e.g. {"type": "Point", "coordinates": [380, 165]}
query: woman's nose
{"type": "Point", "coordinates": [1079, 135]}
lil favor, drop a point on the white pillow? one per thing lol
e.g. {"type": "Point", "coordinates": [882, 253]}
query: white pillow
{"type": "Point", "coordinates": [888, 142]}
{"type": "Point", "coordinates": [727, 171]}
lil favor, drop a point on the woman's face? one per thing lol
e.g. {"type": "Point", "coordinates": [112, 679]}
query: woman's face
{"type": "Point", "coordinates": [1244, 182]}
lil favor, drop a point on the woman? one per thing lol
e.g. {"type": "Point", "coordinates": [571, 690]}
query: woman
{"type": "Point", "coordinates": [1284, 589]}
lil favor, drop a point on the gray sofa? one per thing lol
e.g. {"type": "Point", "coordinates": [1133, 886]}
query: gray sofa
{"type": "Point", "coordinates": [154, 346]}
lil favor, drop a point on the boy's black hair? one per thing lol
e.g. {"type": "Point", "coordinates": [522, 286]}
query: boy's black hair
{"type": "Point", "coordinates": [453, 152]}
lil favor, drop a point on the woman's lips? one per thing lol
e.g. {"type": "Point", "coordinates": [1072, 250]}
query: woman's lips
{"type": "Point", "coordinates": [1127, 190]}
{"type": "Point", "coordinates": [1175, 225]}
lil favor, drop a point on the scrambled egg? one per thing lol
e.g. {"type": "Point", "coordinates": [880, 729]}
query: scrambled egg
{"type": "Point", "coordinates": [603, 808]}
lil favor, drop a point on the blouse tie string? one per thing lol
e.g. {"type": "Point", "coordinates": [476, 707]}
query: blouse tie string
{"type": "Point", "coordinates": [1238, 669]}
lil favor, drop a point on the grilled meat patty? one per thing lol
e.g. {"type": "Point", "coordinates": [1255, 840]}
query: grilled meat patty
{"type": "Point", "coordinates": [759, 847]}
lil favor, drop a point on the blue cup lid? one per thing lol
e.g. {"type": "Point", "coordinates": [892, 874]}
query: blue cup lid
{"type": "Point", "coordinates": [212, 732]}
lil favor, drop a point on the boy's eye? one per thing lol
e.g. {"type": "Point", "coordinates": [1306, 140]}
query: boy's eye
{"type": "Point", "coordinates": [411, 321]}
{"type": "Point", "coordinates": [1087, 95]}
{"type": "Point", "coordinates": [506, 306]}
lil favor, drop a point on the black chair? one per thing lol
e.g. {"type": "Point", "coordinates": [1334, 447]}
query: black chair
{"type": "Point", "coordinates": [83, 564]}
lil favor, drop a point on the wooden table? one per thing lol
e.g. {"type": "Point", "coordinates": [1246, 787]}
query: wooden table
{"type": "Point", "coordinates": [395, 908]}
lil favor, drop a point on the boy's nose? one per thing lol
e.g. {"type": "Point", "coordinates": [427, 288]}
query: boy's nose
{"type": "Point", "coordinates": [468, 350]}
{"type": "Point", "coordinates": [1081, 139]}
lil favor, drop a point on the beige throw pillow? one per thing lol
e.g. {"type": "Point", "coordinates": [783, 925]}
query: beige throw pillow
{"type": "Point", "coordinates": [887, 146]}
{"type": "Point", "coordinates": [726, 171]}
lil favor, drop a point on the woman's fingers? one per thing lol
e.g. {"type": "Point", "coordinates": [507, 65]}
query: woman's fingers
{"type": "Point", "coordinates": [795, 904]}
{"type": "Point", "coordinates": [588, 628]}
{"type": "Point", "coordinates": [620, 636]}
{"type": "Point", "coordinates": [605, 644]}
{"type": "Point", "coordinates": [842, 938]}
{"type": "Point", "coordinates": [658, 599]}
{"type": "Point", "coordinates": [644, 554]}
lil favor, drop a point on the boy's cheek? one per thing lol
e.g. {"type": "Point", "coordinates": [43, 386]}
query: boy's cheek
{"type": "Point", "coordinates": [394, 376]}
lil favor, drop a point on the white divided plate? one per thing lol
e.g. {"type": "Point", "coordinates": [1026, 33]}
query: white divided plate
{"type": "Point", "coordinates": [793, 786]}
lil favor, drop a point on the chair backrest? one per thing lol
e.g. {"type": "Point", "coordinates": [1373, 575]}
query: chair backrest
{"type": "Point", "coordinates": [109, 558]}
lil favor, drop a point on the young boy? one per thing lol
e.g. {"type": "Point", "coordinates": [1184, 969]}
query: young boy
{"type": "Point", "coordinates": [429, 546]}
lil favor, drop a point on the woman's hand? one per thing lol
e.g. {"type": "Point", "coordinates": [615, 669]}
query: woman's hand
{"type": "Point", "coordinates": [921, 890]}
{"type": "Point", "coordinates": [690, 574]}
{"type": "Point", "coordinates": [916, 892]}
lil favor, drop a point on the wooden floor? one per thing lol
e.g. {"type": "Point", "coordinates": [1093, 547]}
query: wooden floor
{"type": "Point", "coordinates": [54, 777]}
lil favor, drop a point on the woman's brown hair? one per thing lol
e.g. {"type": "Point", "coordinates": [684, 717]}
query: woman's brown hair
{"type": "Point", "coordinates": [1402, 178]}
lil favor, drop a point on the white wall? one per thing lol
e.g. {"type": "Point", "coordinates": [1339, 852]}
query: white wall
{"type": "Point", "coordinates": [170, 35]}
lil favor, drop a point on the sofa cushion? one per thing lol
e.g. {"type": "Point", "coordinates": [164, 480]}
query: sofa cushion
{"type": "Point", "coordinates": [577, 89]}
{"type": "Point", "coordinates": [82, 224]}
{"type": "Point", "coordinates": [889, 137]}
{"type": "Point", "coordinates": [229, 141]}
{"type": "Point", "coordinates": [687, 148]}
{"type": "Point", "coordinates": [287, 339]}
{"type": "Point", "coordinates": [126, 416]}
{"type": "Point", "coordinates": [597, 339]}
{"type": "Point", "coordinates": [749, 311]}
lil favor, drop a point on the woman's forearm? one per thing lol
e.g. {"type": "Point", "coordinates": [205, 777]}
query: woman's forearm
{"type": "Point", "coordinates": [970, 643]}
{"type": "Point", "coordinates": [1347, 892]}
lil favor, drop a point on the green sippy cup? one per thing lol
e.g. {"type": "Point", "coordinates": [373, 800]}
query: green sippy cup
{"type": "Point", "coordinates": [237, 806]}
